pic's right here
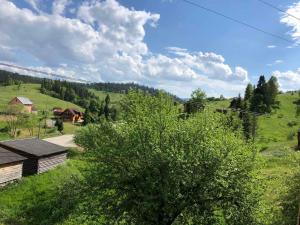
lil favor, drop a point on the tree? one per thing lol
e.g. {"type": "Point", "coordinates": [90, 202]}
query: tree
{"type": "Point", "coordinates": [272, 92]}
{"type": "Point", "coordinates": [154, 169]}
{"type": "Point", "coordinates": [29, 121]}
{"type": "Point", "coordinates": [114, 113]}
{"type": "Point", "coordinates": [196, 103]}
{"type": "Point", "coordinates": [258, 101]}
{"type": "Point", "coordinates": [249, 123]}
{"type": "Point", "coordinates": [248, 92]}
{"type": "Point", "coordinates": [88, 118]}
{"type": "Point", "coordinates": [60, 125]}
{"type": "Point", "coordinates": [14, 118]}
{"type": "Point", "coordinates": [106, 107]}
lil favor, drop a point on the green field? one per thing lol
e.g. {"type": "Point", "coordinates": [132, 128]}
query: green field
{"type": "Point", "coordinates": [35, 197]}
{"type": "Point", "coordinates": [115, 98]}
{"type": "Point", "coordinates": [40, 199]}
{"type": "Point", "coordinates": [276, 141]}
{"type": "Point", "coordinates": [31, 91]}
{"type": "Point", "coordinates": [40, 101]}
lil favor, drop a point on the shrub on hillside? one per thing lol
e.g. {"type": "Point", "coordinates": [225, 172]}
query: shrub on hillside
{"type": "Point", "coordinates": [156, 169]}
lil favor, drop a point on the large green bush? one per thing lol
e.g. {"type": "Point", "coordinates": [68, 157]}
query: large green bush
{"type": "Point", "coordinates": [154, 168]}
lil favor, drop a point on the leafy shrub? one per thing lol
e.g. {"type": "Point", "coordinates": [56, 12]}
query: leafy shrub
{"type": "Point", "coordinates": [280, 116]}
{"type": "Point", "coordinates": [4, 129]}
{"type": "Point", "coordinates": [291, 135]}
{"type": "Point", "coordinates": [292, 123]}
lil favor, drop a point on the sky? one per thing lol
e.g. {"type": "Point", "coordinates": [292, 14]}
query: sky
{"type": "Point", "coordinates": [167, 44]}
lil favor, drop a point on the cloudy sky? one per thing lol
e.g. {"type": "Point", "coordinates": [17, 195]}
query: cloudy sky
{"type": "Point", "coordinates": [167, 44]}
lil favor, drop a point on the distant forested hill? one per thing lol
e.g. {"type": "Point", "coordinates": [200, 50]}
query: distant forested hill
{"type": "Point", "coordinates": [9, 78]}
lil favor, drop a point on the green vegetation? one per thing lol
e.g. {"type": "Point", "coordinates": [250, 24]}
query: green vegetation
{"type": "Point", "coordinates": [274, 129]}
{"type": "Point", "coordinates": [120, 170]}
{"type": "Point", "coordinates": [44, 199]}
{"type": "Point", "coordinates": [32, 91]}
{"type": "Point", "coordinates": [28, 125]}
{"type": "Point", "coordinates": [157, 169]}
{"type": "Point", "coordinates": [276, 139]}
{"type": "Point", "coordinates": [115, 98]}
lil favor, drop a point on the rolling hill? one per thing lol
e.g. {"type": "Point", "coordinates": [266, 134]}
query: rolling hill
{"type": "Point", "coordinates": [31, 91]}
{"type": "Point", "coordinates": [277, 128]}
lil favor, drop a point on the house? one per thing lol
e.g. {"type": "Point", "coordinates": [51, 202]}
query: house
{"type": "Point", "coordinates": [11, 165]}
{"type": "Point", "coordinates": [40, 155]}
{"type": "Point", "coordinates": [72, 115]}
{"type": "Point", "coordinates": [22, 101]}
{"type": "Point", "coordinates": [57, 111]}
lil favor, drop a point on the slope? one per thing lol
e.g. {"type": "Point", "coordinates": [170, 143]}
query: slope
{"type": "Point", "coordinates": [31, 91]}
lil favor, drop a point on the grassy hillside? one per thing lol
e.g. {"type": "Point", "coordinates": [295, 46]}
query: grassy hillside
{"type": "Point", "coordinates": [275, 129]}
{"type": "Point", "coordinates": [115, 98]}
{"type": "Point", "coordinates": [276, 140]}
{"type": "Point", "coordinates": [31, 91]}
{"type": "Point", "coordinates": [40, 101]}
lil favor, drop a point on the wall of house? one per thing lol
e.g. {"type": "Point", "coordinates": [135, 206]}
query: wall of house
{"type": "Point", "coordinates": [30, 166]}
{"type": "Point", "coordinates": [47, 163]}
{"type": "Point", "coordinates": [10, 172]}
{"type": "Point", "coordinates": [16, 101]}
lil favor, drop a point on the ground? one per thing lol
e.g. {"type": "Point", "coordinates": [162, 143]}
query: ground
{"type": "Point", "coordinates": [64, 140]}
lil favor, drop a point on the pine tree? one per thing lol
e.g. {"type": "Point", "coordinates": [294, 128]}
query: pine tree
{"type": "Point", "coordinates": [259, 95]}
{"type": "Point", "coordinates": [106, 107]}
{"type": "Point", "coordinates": [272, 92]}
{"type": "Point", "coordinates": [87, 117]}
{"type": "Point", "coordinates": [248, 92]}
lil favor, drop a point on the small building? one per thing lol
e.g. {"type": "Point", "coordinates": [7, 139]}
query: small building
{"type": "Point", "coordinates": [40, 155]}
{"type": "Point", "coordinates": [11, 166]}
{"type": "Point", "coordinates": [57, 111]}
{"type": "Point", "coordinates": [72, 115]}
{"type": "Point", "coordinates": [22, 101]}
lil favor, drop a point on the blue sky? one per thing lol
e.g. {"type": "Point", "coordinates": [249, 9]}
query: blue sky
{"type": "Point", "coordinates": [166, 44]}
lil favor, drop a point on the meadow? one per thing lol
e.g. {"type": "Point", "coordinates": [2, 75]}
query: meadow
{"type": "Point", "coordinates": [33, 199]}
{"type": "Point", "coordinates": [32, 91]}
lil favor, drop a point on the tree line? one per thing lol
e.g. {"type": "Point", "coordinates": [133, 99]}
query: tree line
{"type": "Point", "coordinates": [259, 99]}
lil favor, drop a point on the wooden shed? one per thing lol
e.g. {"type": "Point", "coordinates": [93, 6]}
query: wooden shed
{"type": "Point", "coordinates": [25, 102]}
{"type": "Point", "coordinates": [11, 165]}
{"type": "Point", "coordinates": [41, 155]}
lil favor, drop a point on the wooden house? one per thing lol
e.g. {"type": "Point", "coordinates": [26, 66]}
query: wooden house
{"type": "Point", "coordinates": [72, 115]}
{"type": "Point", "coordinates": [40, 155]}
{"type": "Point", "coordinates": [11, 165]}
{"type": "Point", "coordinates": [25, 102]}
{"type": "Point", "coordinates": [57, 111]}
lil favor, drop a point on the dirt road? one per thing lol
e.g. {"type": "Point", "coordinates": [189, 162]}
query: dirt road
{"type": "Point", "coordinates": [64, 140]}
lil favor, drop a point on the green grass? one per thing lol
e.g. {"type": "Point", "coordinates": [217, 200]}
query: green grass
{"type": "Point", "coordinates": [273, 129]}
{"type": "Point", "coordinates": [219, 104]}
{"type": "Point", "coordinates": [31, 91]}
{"type": "Point", "coordinates": [277, 145]}
{"type": "Point", "coordinates": [41, 199]}
{"type": "Point", "coordinates": [115, 98]}
{"type": "Point", "coordinates": [40, 101]}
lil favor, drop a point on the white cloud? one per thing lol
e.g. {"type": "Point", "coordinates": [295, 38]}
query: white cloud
{"type": "Point", "coordinates": [276, 62]}
{"type": "Point", "coordinates": [271, 46]}
{"type": "Point", "coordinates": [58, 6]}
{"type": "Point", "coordinates": [105, 42]}
{"type": "Point", "coordinates": [289, 80]}
{"type": "Point", "coordinates": [292, 21]}
{"type": "Point", "coordinates": [34, 4]}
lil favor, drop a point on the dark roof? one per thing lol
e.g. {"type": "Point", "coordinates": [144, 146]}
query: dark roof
{"type": "Point", "coordinates": [33, 147]}
{"type": "Point", "coordinates": [7, 156]}
{"type": "Point", "coordinates": [73, 111]}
